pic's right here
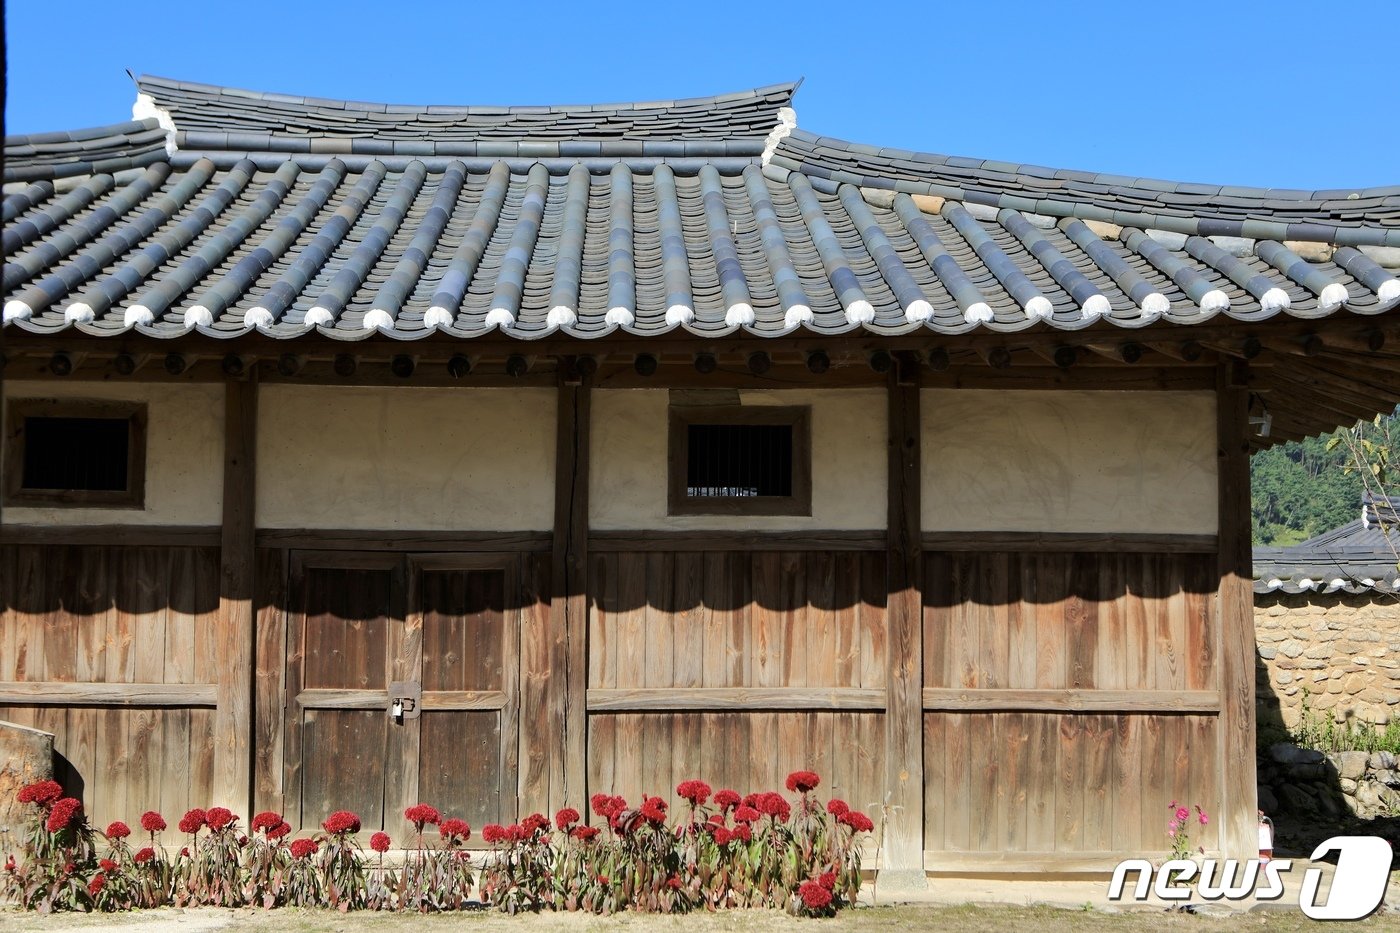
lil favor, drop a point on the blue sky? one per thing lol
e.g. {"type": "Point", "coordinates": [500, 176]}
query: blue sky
{"type": "Point", "coordinates": [1280, 94]}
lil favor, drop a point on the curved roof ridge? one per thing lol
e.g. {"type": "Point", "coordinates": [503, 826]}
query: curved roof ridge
{"type": "Point", "coordinates": [1343, 216]}
{"type": "Point", "coordinates": [208, 110]}
{"type": "Point", "coordinates": [84, 151]}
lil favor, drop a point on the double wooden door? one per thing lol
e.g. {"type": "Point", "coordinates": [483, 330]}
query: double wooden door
{"type": "Point", "coordinates": [439, 632]}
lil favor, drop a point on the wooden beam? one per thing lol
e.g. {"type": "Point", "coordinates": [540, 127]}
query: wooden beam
{"type": "Point", "coordinates": [569, 606]}
{"type": "Point", "coordinates": [759, 699]}
{"type": "Point", "coordinates": [68, 693]}
{"type": "Point", "coordinates": [233, 639]}
{"type": "Point", "coordinates": [1061, 542]}
{"type": "Point", "coordinates": [904, 753]}
{"type": "Point", "coordinates": [109, 535]}
{"type": "Point", "coordinates": [729, 541]}
{"type": "Point", "coordinates": [331, 539]}
{"type": "Point", "coordinates": [960, 700]}
{"type": "Point", "coordinates": [1238, 794]}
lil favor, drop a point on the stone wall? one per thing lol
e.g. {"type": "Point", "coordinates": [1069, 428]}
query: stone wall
{"type": "Point", "coordinates": [1342, 649]}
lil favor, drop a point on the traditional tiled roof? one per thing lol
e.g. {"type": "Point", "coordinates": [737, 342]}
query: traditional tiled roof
{"type": "Point", "coordinates": [1358, 557]}
{"type": "Point", "coordinates": [91, 151]}
{"type": "Point", "coordinates": [539, 236]}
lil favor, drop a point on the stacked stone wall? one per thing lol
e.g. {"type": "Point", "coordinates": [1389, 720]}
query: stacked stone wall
{"type": "Point", "coordinates": [1340, 650]}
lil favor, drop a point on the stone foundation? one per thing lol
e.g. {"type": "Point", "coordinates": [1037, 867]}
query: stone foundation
{"type": "Point", "coordinates": [1342, 649]}
{"type": "Point", "coordinates": [26, 756]}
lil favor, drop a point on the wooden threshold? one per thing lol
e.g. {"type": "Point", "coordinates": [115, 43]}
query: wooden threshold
{"type": "Point", "coordinates": [964, 700]}
{"type": "Point", "coordinates": [66, 693]}
{"type": "Point", "coordinates": [766, 699]}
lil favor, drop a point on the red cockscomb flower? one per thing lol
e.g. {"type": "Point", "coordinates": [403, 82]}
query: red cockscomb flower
{"type": "Point", "coordinates": [858, 821]}
{"type": "Point", "coordinates": [220, 817]}
{"type": "Point", "coordinates": [193, 820]}
{"type": "Point", "coordinates": [62, 814]}
{"type": "Point", "coordinates": [303, 848]}
{"type": "Point", "coordinates": [379, 842]}
{"type": "Point", "coordinates": [9, 863]}
{"type": "Point", "coordinates": [827, 879]}
{"type": "Point", "coordinates": [727, 800]}
{"type": "Point", "coordinates": [814, 896]}
{"type": "Point", "coordinates": [697, 792]}
{"type": "Point", "coordinates": [279, 831]}
{"type": "Point", "coordinates": [152, 822]}
{"type": "Point", "coordinates": [775, 805]}
{"type": "Point", "coordinates": [494, 833]}
{"type": "Point", "coordinates": [534, 823]}
{"type": "Point", "coordinates": [565, 818]}
{"type": "Point", "coordinates": [106, 864]}
{"type": "Point", "coordinates": [584, 833]}
{"type": "Point", "coordinates": [747, 814]}
{"type": "Point", "coordinates": [95, 886]}
{"type": "Point", "coordinates": [741, 833]}
{"type": "Point", "coordinates": [654, 810]}
{"type": "Point", "coordinates": [41, 793]}
{"type": "Point", "coordinates": [608, 807]}
{"type": "Point", "coordinates": [837, 807]}
{"type": "Point", "coordinates": [673, 883]}
{"type": "Point", "coordinates": [455, 831]}
{"type": "Point", "coordinates": [184, 851]}
{"type": "Point", "coordinates": [341, 822]}
{"type": "Point", "coordinates": [265, 820]}
{"type": "Point", "coordinates": [803, 781]}
{"type": "Point", "coordinates": [421, 814]}
{"type": "Point", "coordinates": [144, 855]}
{"type": "Point", "coordinates": [117, 830]}
{"type": "Point", "coordinates": [722, 836]}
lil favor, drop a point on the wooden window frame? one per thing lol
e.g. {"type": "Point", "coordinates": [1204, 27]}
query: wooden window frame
{"type": "Point", "coordinates": [133, 497]}
{"type": "Point", "coordinates": [681, 417]}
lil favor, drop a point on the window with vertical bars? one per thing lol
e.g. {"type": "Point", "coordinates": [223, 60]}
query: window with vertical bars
{"type": "Point", "coordinates": [734, 459]}
{"type": "Point", "coordinates": [75, 452]}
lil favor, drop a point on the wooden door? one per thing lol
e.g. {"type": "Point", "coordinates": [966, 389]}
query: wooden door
{"type": "Point", "coordinates": [446, 624]}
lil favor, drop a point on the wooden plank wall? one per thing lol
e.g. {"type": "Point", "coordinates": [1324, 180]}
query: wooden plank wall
{"type": "Point", "coordinates": [703, 664]}
{"type": "Point", "coordinates": [1069, 698]}
{"type": "Point", "coordinates": [127, 618]}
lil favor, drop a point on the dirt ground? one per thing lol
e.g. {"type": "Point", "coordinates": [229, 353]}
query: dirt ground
{"type": "Point", "coordinates": [906, 918]}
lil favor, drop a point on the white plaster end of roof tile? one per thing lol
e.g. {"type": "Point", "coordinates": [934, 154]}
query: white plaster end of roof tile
{"type": "Point", "coordinates": [560, 316]}
{"type": "Point", "coordinates": [1104, 230]}
{"type": "Point", "coordinates": [1333, 297]}
{"type": "Point", "coordinates": [1096, 307]}
{"type": "Point", "coordinates": [878, 197]}
{"type": "Point", "coordinates": [1389, 290]}
{"type": "Point", "coordinates": [198, 316]}
{"type": "Point", "coordinates": [1168, 238]}
{"type": "Point", "coordinates": [377, 319]}
{"type": "Point", "coordinates": [500, 317]}
{"type": "Point", "coordinates": [740, 314]}
{"type": "Point", "coordinates": [918, 311]}
{"type": "Point", "coordinates": [16, 310]}
{"type": "Point", "coordinates": [1311, 250]}
{"type": "Point", "coordinates": [979, 312]}
{"type": "Point", "coordinates": [618, 315]}
{"type": "Point", "coordinates": [860, 311]}
{"type": "Point", "coordinates": [438, 316]}
{"type": "Point", "coordinates": [1040, 307]}
{"type": "Point", "coordinates": [982, 211]}
{"type": "Point", "coordinates": [138, 315]}
{"type": "Point", "coordinates": [258, 317]}
{"type": "Point", "coordinates": [1275, 300]}
{"type": "Point", "coordinates": [679, 314]}
{"type": "Point", "coordinates": [1214, 301]}
{"type": "Point", "coordinates": [1240, 247]}
{"type": "Point", "coordinates": [146, 108]}
{"type": "Point", "coordinates": [787, 122]}
{"type": "Point", "coordinates": [1155, 305]}
{"type": "Point", "coordinates": [1385, 256]}
{"type": "Point", "coordinates": [78, 312]}
{"type": "Point", "coordinates": [797, 314]}
{"type": "Point", "coordinates": [319, 317]}
{"type": "Point", "coordinates": [1043, 221]}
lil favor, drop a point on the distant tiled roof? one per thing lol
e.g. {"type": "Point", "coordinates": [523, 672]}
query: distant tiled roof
{"type": "Point", "coordinates": [1355, 558]}
{"type": "Point", "coordinates": [645, 219]}
{"type": "Point", "coordinates": [95, 150]}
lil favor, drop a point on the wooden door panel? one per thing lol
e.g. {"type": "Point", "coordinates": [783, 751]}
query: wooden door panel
{"type": "Point", "coordinates": [343, 764]}
{"type": "Point", "coordinates": [460, 765]}
{"type": "Point", "coordinates": [463, 614]}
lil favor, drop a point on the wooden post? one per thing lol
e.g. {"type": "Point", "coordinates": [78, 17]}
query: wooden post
{"type": "Point", "coordinates": [233, 721]}
{"type": "Point", "coordinates": [904, 755]}
{"type": "Point", "coordinates": [1239, 800]}
{"type": "Point", "coordinates": [569, 606]}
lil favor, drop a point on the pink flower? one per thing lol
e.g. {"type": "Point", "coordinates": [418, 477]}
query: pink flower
{"type": "Point", "coordinates": [1182, 813]}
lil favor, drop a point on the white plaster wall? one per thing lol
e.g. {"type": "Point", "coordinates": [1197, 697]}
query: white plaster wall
{"type": "Point", "coordinates": [1069, 461]}
{"type": "Point", "coordinates": [627, 487]}
{"type": "Point", "coordinates": [184, 453]}
{"type": "Point", "coordinates": [405, 458]}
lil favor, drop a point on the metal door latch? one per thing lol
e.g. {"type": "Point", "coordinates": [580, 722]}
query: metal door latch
{"type": "Point", "coordinates": [405, 699]}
